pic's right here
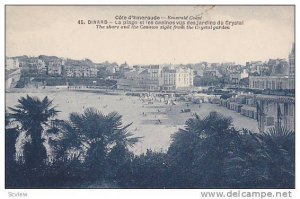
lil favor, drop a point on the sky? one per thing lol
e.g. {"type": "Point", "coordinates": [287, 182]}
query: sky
{"type": "Point", "coordinates": [268, 32]}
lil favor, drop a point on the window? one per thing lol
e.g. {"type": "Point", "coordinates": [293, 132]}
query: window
{"type": "Point", "coordinates": [269, 121]}
{"type": "Point", "coordinates": [262, 84]}
{"type": "Point", "coordinates": [286, 112]}
{"type": "Point", "coordinates": [291, 109]}
{"type": "Point", "coordinates": [273, 85]}
{"type": "Point", "coordinates": [279, 85]}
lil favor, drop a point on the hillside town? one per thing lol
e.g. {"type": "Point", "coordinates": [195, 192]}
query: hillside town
{"type": "Point", "coordinates": [263, 91]}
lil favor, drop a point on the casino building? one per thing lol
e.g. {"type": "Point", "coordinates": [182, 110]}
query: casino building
{"type": "Point", "coordinates": [275, 111]}
{"type": "Point", "coordinates": [282, 76]}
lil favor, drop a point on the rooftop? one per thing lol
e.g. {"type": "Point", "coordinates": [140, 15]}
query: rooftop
{"type": "Point", "coordinates": [276, 98]}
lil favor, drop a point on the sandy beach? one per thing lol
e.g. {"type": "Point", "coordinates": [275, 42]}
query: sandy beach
{"type": "Point", "coordinates": [151, 119]}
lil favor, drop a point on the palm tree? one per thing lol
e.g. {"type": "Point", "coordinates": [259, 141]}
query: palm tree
{"type": "Point", "coordinates": [32, 117]}
{"type": "Point", "coordinates": [264, 160]}
{"type": "Point", "coordinates": [11, 167]}
{"type": "Point", "coordinates": [283, 137]}
{"type": "Point", "coordinates": [213, 123]}
{"type": "Point", "coordinates": [278, 144]}
{"type": "Point", "coordinates": [94, 136]}
{"type": "Point", "coordinates": [198, 152]}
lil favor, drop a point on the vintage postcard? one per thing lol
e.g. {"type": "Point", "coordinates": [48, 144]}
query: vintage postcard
{"type": "Point", "coordinates": [150, 97]}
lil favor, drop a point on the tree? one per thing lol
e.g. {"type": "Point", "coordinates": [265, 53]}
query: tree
{"type": "Point", "coordinates": [150, 170]}
{"type": "Point", "coordinates": [279, 151]}
{"type": "Point", "coordinates": [96, 138]}
{"type": "Point", "coordinates": [198, 152]}
{"type": "Point", "coordinates": [264, 160]}
{"type": "Point", "coordinates": [11, 167]}
{"type": "Point", "coordinates": [32, 117]}
{"type": "Point", "coordinates": [209, 153]}
{"type": "Point", "coordinates": [120, 161]}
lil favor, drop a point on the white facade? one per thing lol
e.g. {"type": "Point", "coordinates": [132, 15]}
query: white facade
{"type": "Point", "coordinates": [81, 71]}
{"type": "Point", "coordinates": [154, 78]}
{"type": "Point", "coordinates": [237, 76]}
{"type": "Point", "coordinates": [111, 69]}
{"type": "Point", "coordinates": [244, 74]}
{"type": "Point", "coordinates": [271, 82]}
{"type": "Point", "coordinates": [39, 65]}
{"type": "Point", "coordinates": [176, 78]}
{"type": "Point", "coordinates": [11, 64]}
{"type": "Point", "coordinates": [55, 68]}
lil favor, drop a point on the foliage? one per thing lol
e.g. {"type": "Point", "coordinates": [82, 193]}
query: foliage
{"type": "Point", "coordinates": [11, 166]}
{"type": "Point", "coordinates": [150, 170]}
{"type": "Point", "coordinates": [100, 141]}
{"type": "Point", "coordinates": [32, 115]}
{"type": "Point", "coordinates": [92, 150]}
{"type": "Point", "coordinates": [209, 153]}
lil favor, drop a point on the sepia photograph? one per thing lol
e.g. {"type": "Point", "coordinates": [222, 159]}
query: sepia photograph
{"type": "Point", "coordinates": [149, 97]}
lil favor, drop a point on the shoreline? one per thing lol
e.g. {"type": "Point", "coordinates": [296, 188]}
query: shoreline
{"type": "Point", "coordinates": [151, 117]}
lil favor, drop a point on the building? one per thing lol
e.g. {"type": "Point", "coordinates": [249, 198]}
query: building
{"type": "Point", "coordinates": [249, 111]}
{"type": "Point", "coordinates": [212, 73]}
{"type": "Point", "coordinates": [292, 68]}
{"type": "Point", "coordinates": [54, 68]}
{"type": "Point", "coordinates": [213, 65]}
{"type": "Point", "coordinates": [79, 68]}
{"type": "Point", "coordinates": [228, 64]}
{"type": "Point", "coordinates": [279, 67]}
{"type": "Point", "coordinates": [254, 66]}
{"type": "Point", "coordinates": [146, 80]}
{"type": "Point", "coordinates": [275, 111]}
{"type": "Point", "coordinates": [11, 64]}
{"type": "Point", "coordinates": [80, 71]}
{"type": "Point", "coordinates": [176, 78]}
{"type": "Point", "coordinates": [12, 77]}
{"type": "Point", "coordinates": [269, 82]}
{"type": "Point", "coordinates": [141, 79]}
{"type": "Point", "coordinates": [110, 68]}
{"type": "Point", "coordinates": [38, 65]}
{"type": "Point", "coordinates": [199, 68]}
{"type": "Point", "coordinates": [282, 75]}
{"type": "Point", "coordinates": [243, 103]}
{"type": "Point", "coordinates": [237, 76]}
{"type": "Point", "coordinates": [93, 71]}
{"type": "Point", "coordinates": [130, 81]}
{"type": "Point", "coordinates": [156, 78]}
